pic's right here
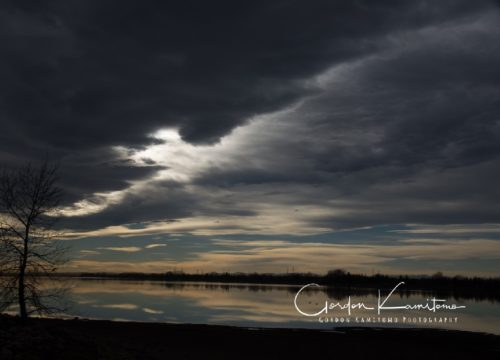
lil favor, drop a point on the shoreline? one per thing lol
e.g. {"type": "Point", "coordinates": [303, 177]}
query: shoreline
{"type": "Point", "coordinates": [478, 286]}
{"type": "Point", "coordinates": [43, 338]}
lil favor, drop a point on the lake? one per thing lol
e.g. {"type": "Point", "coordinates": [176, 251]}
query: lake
{"type": "Point", "coordinates": [254, 305]}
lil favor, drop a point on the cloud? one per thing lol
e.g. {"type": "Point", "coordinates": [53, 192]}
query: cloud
{"type": "Point", "coordinates": [127, 249]}
{"type": "Point", "coordinates": [454, 229]}
{"type": "Point", "coordinates": [152, 311]}
{"type": "Point", "coordinates": [153, 246]}
{"type": "Point", "coordinates": [89, 252]}
{"type": "Point", "coordinates": [118, 306]}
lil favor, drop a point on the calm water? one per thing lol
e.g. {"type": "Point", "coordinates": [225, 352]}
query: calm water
{"type": "Point", "coordinates": [265, 306]}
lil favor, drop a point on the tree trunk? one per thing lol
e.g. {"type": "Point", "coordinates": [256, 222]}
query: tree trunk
{"type": "Point", "coordinates": [22, 272]}
{"type": "Point", "coordinates": [22, 301]}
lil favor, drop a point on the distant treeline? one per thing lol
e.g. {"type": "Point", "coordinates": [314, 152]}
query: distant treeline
{"type": "Point", "coordinates": [457, 286]}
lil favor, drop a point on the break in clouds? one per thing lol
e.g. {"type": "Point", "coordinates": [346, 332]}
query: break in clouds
{"type": "Point", "coordinates": [268, 118]}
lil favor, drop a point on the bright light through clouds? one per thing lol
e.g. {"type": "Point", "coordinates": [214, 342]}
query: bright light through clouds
{"type": "Point", "coordinates": [97, 203]}
{"type": "Point", "coordinates": [183, 160]}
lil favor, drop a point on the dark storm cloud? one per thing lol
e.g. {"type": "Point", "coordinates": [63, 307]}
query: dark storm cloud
{"type": "Point", "coordinates": [419, 92]}
{"type": "Point", "coordinates": [92, 73]}
{"type": "Point", "coordinates": [162, 201]}
{"type": "Point", "coordinates": [428, 100]}
{"type": "Point", "coordinates": [83, 181]}
{"type": "Point", "coordinates": [82, 173]}
{"type": "Point", "coordinates": [410, 135]}
{"type": "Point", "coordinates": [158, 201]}
{"type": "Point", "coordinates": [434, 102]}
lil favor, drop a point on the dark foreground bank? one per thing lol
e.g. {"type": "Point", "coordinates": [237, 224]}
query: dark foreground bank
{"type": "Point", "coordinates": [80, 339]}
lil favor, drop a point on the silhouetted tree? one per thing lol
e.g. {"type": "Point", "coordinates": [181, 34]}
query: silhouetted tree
{"type": "Point", "coordinates": [437, 275]}
{"type": "Point", "coordinates": [337, 273]}
{"type": "Point", "coordinates": [29, 197]}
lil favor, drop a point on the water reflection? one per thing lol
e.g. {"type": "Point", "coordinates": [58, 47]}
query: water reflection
{"type": "Point", "coordinates": [254, 305]}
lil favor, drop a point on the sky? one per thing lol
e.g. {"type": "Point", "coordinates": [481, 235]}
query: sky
{"type": "Point", "coordinates": [262, 136]}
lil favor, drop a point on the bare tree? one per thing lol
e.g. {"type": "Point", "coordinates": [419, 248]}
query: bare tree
{"type": "Point", "coordinates": [29, 198]}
